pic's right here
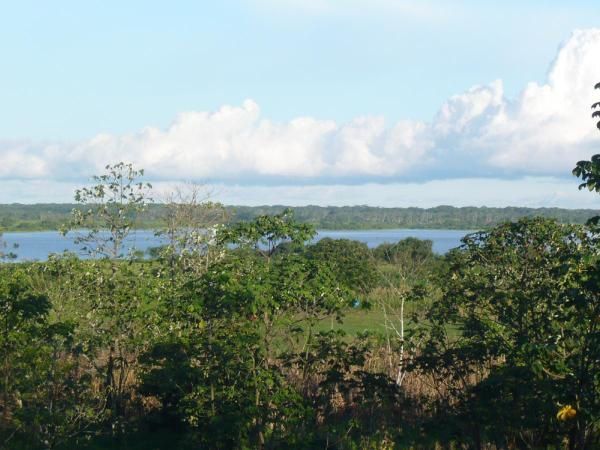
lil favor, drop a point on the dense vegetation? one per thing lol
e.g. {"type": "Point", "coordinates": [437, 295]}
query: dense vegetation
{"type": "Point", "coordinates": [37, 217]}
{"type": "Point", "coordinates": [447, 217]}
{"type": "Point", "coordinates": [239, 334]}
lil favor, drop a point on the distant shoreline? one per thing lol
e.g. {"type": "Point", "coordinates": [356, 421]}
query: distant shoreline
{"type": "Point", "coordinates": [51, 216]}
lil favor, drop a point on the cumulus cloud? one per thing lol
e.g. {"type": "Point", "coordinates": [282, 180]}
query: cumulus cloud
{"type": "Point", "coordinates": [479, 133]}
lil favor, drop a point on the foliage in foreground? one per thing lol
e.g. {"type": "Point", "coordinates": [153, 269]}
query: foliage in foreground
{"type": "Point", "coordinates": [526, 298]}
{"type": "Point", "coordinates": [219, 340]}
{"type": "Point", "coordinates": [235, 355]}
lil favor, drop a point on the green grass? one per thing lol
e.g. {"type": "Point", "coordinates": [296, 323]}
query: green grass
{"type": "Point", "coordinates": [356, 321]}
{"type": "Point", "coordinates": [372, 320]}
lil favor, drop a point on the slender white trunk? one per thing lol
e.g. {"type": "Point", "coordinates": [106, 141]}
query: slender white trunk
{"type": "Point", "coordinates": [401, 373]}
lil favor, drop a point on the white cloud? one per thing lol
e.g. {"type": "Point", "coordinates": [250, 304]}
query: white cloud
{"type": "Point", "coordinates": [479, 133]}
{"type": "Point", "coordinates": [21, 160]}
{"type": "Point", "coordinates": [548, 127]}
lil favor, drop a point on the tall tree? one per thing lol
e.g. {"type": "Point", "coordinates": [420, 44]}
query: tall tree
{"type": "Point", "coordinates": [109, 210]}
{"type": "Point", "coordinates": [115, 291]}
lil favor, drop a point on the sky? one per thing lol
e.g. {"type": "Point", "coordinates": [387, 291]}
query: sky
{"type": "Point", "coordinates": [329, 102]}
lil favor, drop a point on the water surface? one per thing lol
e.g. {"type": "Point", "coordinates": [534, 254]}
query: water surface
{"type": "Point", "coordinates": [39, 244]}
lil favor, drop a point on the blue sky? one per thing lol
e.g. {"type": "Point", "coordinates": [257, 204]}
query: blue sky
{"type": "Point", "coordinates": [378, 92]}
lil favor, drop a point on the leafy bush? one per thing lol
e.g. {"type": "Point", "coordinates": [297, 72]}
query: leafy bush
{"type": "Point", "coordinates": [526, 299]}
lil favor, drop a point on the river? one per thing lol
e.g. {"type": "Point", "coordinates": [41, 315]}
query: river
{"type": "Point", "coordinates": [39, 244]}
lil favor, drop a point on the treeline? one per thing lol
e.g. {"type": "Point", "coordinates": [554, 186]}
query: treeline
{"type": "Point", "coordinates": [441, 217]}
{"type": "Point", "coordinates": [240, 335]}
{"type": "Point", "coordinates": [51, 216]}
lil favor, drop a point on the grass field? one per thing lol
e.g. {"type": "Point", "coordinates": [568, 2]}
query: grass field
{"type": "Point", "coordinates": [357, 321]}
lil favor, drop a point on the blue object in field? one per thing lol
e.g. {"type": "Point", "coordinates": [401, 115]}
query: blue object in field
{"type": "Point", "coordinates": [356, 303]}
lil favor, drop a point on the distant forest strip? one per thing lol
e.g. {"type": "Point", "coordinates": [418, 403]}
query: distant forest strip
{"type": "Point", "coordinates": [51, 216]}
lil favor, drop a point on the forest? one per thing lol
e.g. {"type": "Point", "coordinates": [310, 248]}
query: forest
{"type": "Point", "coordinates": [51, 216]}
{"type": "Point", "coordinates": [241, 334]}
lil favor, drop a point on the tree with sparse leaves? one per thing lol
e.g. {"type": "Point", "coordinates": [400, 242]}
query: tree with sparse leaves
{"type": "Point", "coordinates": [115, 289]}
{"type": "Point", "coordinates": [6, 255]}
{"type": "Point", "coordinates": [109, 210]}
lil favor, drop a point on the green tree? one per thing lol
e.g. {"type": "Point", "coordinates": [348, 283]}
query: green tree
{"type": "Point", "coordinates": [231, 326]}
{"type": "Point", "coordinates": [265, 233]}
{"type": "Point", "coordinates": [117, 291]}
{"type": "Point", "coordinates": [350, 261]}
{"type": "Point", "coordinates": [525, 299]}
{"type": "Point", "coordinates": [45, 400]}
{"type": "Point", "coordinates": [22, 318]}
{"type": "Point", "coordinates": [109, 210]}
{"type": "Point", "coordinates": [589, 171]}
{"type": "Point", "coordinates": [407, 251]}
